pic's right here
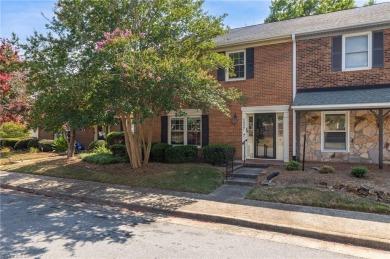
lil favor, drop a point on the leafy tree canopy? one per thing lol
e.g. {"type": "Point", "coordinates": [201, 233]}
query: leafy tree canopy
{"type": "Point", "coordinates": [129, 58]}
{"type": "Point", "coordinates": [288, 9]}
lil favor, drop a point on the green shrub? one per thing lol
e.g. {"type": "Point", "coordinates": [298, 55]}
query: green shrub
{"type": "Point", "coordinates": [101, 150]}
{"type": "Point", "coordinates": [33, 150]}
{"type": "Point", "coordinates": [359, 171]}
{"type": "Point", "coordinates": [103, 159]}
{"type": "Point", "coordinates": [45, 145]}
{"type": "Point", "coordinates": [326, 169]}
{"type": "Point", "coordinates": [118, 150]}
{"type": "Point", "coordinates": [33, 143]}
{"type": "Point", "coordinates": [9, 142]}
{"type": "Point", "coordinates": [13, 130]}
{"type": "Point", "coordinates": [115, 137]}
{"type": "Point", "coordinates": [216, 154]}
{"type": "Point", "coordinates": [157, 153]}
{"type": "Point", "coordinates": [181, 154]}
{"type": "Point", "coordinates": [22, 144]}
{"type": "Point", "coordinates": [97, 143]}
{"type": "Point", "coordinates": [293, 165]}
{"type": "Point", "coordinates": [60, 144]}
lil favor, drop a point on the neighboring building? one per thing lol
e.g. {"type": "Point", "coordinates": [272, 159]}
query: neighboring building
{"type": "Point", "coordinates": [84, 136]}
{"type": "Point", "coordinates": [324, 76]}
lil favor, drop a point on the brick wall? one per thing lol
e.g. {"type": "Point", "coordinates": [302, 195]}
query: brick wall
{"type": "Point", "coordinates": [271, 85]}
{"type": "Point", "coordinates": [45, 135]}
{"type": "Point", "coordinates": [314, 66]}
{"type": "Point", "coordinates": [84, 136]}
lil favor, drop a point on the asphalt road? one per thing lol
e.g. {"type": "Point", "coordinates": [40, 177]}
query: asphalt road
{"type": "Point", "coordinates": [42, 227]}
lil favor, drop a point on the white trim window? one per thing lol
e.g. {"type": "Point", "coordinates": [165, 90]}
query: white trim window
{"type": "Point", "coordinates": [357, 51]}
{"type": "Point", "coordinates": [185, 130]}
{"type": "Point", "coordinates": [334, 131]}
{"type": "Point", "coordinates": [239, 64]}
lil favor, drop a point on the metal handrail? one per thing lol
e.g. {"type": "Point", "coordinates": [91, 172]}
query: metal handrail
{"type": "Point", "coordinates": [243, 143]}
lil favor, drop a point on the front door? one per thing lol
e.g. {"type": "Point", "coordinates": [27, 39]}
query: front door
{"type": "Point", "coordinates": [265, 135]}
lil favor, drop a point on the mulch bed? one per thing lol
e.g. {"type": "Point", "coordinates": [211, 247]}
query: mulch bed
{"type": "Point", "coordinates": [375, 185]}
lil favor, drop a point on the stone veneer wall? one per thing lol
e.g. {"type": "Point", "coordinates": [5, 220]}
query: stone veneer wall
{"type": "Point", "coordinates": [363, 138]}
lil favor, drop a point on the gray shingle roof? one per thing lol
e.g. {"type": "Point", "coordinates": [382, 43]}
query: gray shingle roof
{"type": "Point", "coordinates": [336, 96]}
{"type": "Point", "coordinates": [379, 13]}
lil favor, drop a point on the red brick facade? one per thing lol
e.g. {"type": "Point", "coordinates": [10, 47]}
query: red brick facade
{"type": "Point", "coordinates": [271, 85]}
{"type": "Point", "coordinates": [314, 66]}
{"type": "Point", "coordinates": [84, 136]}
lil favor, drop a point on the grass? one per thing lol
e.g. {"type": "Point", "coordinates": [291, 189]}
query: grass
{"type": "Point", "coordinates": [177, 177]}
{"type": "Point", "coordinates": [7, 157]}
{"type": "Point", "coordinates": [318, 198]}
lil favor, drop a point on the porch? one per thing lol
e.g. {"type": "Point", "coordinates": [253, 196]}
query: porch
{"type": "Point", "coordinates": [343, 124]}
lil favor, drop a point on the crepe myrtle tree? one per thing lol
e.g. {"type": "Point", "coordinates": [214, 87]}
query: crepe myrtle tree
{"type": "Point", "coordinates": [148, 82]}
{"type": "Point", "coordinates": [77, 85]}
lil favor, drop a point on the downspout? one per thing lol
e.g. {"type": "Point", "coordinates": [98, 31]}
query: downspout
{"type": "Point", "coordinates": [294, 86]}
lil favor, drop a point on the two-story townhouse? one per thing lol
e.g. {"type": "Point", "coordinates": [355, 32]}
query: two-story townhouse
{"type": "Point", "coordinates": [342, 98]}
{"type": "Point", "coordinates": [260, 129]}
{"type": "Point", "coordinates": [319, 83]}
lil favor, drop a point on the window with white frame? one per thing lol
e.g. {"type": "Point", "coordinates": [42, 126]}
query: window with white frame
{"type": "Point", "coordinates": [238, 59]}
{"type": "Point", "coordinates": [186, 130]}
{"type": "Point", "coordinates": [357, 51]}
{"type": "Point", "coordinates": [335, 131]}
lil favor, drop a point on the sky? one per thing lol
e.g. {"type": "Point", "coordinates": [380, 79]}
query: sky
{"type": "Point", "coordinates": [25, 16]}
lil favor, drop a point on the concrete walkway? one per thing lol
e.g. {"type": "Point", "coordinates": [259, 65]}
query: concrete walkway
{"type": "Point", "coordinates": [356, 228]}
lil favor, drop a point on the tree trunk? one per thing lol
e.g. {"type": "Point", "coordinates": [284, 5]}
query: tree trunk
{"type": "Point", "coordinates": [130, 141]}
{"type": "Point", "coordinates": [139, 143]}
{"type": "Point", "coordinates": [148, 145]}
{"type": "Point", "coordinates": [71, 143]}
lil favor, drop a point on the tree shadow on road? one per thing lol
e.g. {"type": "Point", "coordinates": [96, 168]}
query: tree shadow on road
{"type": "Point", "coordinates": [29, 223]}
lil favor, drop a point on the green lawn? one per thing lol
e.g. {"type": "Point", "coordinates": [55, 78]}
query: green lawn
{"type": "Point", "coordinates": [8, 157]}
{"type": "Point", "coordinates": [198, 178]}
{"type": "Point", "coordinates": [318, 198]}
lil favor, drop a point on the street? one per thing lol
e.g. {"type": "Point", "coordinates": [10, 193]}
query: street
{"type": "Point", "coordinates": [43, 227]}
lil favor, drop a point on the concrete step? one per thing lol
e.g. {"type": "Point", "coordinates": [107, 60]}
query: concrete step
{"type": "Point", "coordinates": [247, 172]}
{"type": "Point", "coordinates": [240, 181]}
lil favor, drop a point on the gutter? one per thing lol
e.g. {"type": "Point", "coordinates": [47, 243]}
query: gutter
{"type": "Point", "coordinates": [332, 107]}
{"type": "Point", "coordinates": [294, 86]}
{"type": "Point", "coordinates": [255, 41]}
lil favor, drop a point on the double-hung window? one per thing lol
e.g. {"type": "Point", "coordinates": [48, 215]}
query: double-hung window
{"type": "Point", "coordinates": [335, 131]}
{"type": "Point", "coordinates": [239, 61]}
{"type": "Point", "coordinates": [357, 51]}
{"type": "Point", "coordinates": [185, 130]}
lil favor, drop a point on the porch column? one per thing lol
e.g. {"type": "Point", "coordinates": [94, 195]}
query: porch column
{"type": "Point", "coordinates": [286, 133]}
{"type": "Point", "coordinates": [380, 115]}
{"type": "Point", "coordinates": [298, 136]}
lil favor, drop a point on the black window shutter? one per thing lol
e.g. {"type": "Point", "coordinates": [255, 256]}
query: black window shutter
{"type": "Point", "coordinates": [377, 49]}
{"type": "Point", "coordinates": [205, 130]}
{"type": "Point", "coordinates": [164, 129]}
{"type": "Point", "coordinates": [221, 71]}
{"type": "Point", "coordinates": [336, 53]}
{"type": "Point", "coordinates": [250, 63]}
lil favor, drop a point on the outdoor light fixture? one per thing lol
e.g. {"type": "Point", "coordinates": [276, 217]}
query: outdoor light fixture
{"type": "Point", "coordinates": [234, 119]}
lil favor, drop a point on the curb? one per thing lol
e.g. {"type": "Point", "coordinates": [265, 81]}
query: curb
{"type": "Point", "coordinates": [330, 236]}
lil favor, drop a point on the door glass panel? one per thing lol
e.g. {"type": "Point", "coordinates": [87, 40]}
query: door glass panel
{"type": "Point", "coordinates": [265, 135]}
